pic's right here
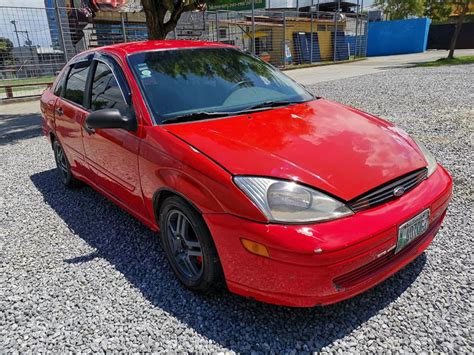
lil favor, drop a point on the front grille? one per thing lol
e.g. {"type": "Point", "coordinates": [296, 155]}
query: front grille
{"type": "Point", "coordinates": [386, 192]}
{"type": "Point", "coordinates": [375, 267]}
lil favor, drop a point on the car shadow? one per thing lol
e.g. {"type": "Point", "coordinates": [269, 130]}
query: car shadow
{"type": "Point", "coordinates": [136, 253]}
{"type": "Point", "coordinates": [17, 127]}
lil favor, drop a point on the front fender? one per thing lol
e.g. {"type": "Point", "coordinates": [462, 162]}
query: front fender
{"type": "Point", "coordinates": [168, 163]}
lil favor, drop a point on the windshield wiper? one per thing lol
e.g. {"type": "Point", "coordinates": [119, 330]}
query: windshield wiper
{"type": "Point", "coordinates": [194, 116]}
{"type": "Point", "coordinates": [202, 115]}
{"type": "Point", "coordinates": [270, 104]}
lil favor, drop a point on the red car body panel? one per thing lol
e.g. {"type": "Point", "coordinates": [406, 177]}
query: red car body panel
{"type": "Point", "coordinates": [294, 275]}
{"type": "Point", "coordinates": [328, 146]}
{"type": "Point", "coordinates": [320, 143]}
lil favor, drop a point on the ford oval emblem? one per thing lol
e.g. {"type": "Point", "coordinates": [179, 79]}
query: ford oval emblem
{"type": "Point", "coordinates": [398, 191]}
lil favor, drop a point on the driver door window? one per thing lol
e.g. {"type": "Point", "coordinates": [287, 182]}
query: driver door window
{"type": "Point", "coordinates": [105, 92]}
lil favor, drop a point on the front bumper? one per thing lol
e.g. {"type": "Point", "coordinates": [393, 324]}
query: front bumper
{"type": "Point", "coordinates": [328, 262]}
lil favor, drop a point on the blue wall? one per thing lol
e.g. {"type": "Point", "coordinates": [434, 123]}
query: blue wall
{"type": "Point", "coordinates": [398, 37]}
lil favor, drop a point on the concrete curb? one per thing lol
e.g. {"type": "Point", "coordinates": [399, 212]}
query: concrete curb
{"type": "Point", "coordinates": [322, 64]}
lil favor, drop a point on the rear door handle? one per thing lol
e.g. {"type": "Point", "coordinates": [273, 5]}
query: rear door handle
{"type": "Point", "coordinates": [59, 111]}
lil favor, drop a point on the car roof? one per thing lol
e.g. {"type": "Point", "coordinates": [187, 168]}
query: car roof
{"type": "Point", "coordinates": [143, 46]}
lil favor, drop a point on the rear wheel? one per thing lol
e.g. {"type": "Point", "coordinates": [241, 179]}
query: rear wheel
{"type": "Point", "coordinates": [189, 246]}
{"type": "Point", "coordinates": [63, 167]}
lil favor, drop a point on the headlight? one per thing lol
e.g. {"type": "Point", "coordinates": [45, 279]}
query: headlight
{"type": "Point", "coordinates": [285, 201]}
{"type": "Point", "coordinates": [432, 164]}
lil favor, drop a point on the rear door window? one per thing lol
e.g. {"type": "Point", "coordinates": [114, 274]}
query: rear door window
{"type": "Point", "coordinates": [76, 84]}
{"type": "Point", "coordinates": [58, 90]}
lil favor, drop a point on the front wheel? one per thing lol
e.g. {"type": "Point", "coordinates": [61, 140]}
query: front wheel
{"type": "Point", "coordinates": [189, 246]}
{"type": "Point", "coordinates": [63, 167]}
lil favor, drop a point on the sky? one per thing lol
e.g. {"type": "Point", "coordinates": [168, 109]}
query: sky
{"type": "Point", "coordinates": [368, 3]}
{"type": "Point", "coordinates": [30, 16]}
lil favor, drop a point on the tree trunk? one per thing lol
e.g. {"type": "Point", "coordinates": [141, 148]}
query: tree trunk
{"type": "Point", "coordinates": [155, 14]}
{"type": "Point", "coordinates": [457, 30]}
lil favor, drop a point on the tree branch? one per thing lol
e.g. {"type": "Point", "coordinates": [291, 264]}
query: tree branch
{"type": "Point", "coordinates": [178, 9]}
{"type": "Point", "coordinates": [155, 12]}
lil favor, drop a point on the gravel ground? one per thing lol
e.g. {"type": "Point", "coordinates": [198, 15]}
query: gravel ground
{"type": "Point", "coordinates": [77, 273]}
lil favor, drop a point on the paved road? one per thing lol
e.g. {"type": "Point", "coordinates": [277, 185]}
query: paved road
{"type": "Point", "coordinates": [20, 108]}
{"type": "Point", "coordinates": [371, 65]}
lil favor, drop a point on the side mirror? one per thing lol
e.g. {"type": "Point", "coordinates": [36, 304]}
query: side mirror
{"type": "Point", "coordinates": [109, 118]}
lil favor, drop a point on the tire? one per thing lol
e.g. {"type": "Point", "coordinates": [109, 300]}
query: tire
{"type": "Point", "coordinates": [63, 167]}
{"type": "Point", "coordinates": [189, 248]}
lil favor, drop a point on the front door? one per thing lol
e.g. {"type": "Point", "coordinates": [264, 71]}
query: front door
{"type": "Point", "coordinates": [112, 154]}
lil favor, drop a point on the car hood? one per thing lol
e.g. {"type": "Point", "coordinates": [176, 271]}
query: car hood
{"type": "Point", "coordinates": [332, 147]}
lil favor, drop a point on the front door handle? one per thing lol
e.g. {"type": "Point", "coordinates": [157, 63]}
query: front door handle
{"type": "Point", "coordinates": [59, 111]}
{"type": "Point", "coordinates": [90, 131]}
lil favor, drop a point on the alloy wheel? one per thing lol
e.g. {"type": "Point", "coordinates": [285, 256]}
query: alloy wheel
{"type": "Point", "coordinates": [185, 246]}
{"type": "Point", "coordinates": [61, 162]}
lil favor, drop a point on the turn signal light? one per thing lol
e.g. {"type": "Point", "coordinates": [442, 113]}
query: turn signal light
{"type": "Point", "coordinates": [255, 248]}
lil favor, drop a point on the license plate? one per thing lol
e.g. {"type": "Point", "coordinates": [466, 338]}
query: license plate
{"type": "Point", "coordinates": [412, 229]}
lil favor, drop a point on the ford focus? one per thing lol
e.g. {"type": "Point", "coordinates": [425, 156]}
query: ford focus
{"type": "Point", "coordinates": [252, 182]}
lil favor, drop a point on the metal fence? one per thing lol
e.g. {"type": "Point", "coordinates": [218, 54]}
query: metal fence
{"type": "Point", "coordinates": [289, 38]}
{"type": "Point", "coordinates": [35, 43]}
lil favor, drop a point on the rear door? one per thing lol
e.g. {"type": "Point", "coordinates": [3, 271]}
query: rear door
{"type": "Point", "coordinates": [70, 114]}
{"type": "Point", "coordinates": [48, 101]}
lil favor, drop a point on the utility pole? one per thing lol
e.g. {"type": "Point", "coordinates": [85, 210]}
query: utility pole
{"type": "Point", "coordinates": [366, 27]}
{"type": "Point", "coordinates": [13, 22]}
{"type": "Point", "coordinates": [27, 42]}
{"type": "Point", "coordinates": [357, 32]}
{"type": "Point", "coordinates": [253, 27]}
{"type": "Point", "coordinates": [124, 30]}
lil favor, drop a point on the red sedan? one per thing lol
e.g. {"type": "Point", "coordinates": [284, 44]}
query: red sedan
{"type": "Point", "coordinates": [252, 181]}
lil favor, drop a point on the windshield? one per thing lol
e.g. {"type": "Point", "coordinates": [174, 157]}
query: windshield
{"type": "Point", "coordinates": [205, 82]}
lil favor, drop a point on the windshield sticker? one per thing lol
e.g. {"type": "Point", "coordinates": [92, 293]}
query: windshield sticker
{"type": "Point", "coordinates": [145, 72]}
